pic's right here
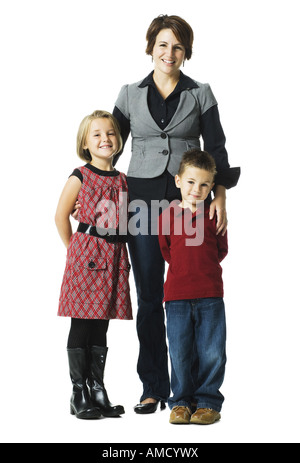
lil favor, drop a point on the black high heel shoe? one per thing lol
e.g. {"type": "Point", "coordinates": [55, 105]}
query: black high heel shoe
{"type": "Point", "coordinates": [144, 409]}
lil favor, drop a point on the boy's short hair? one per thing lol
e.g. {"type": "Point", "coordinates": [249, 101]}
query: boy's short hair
{"type": "Point", "coordinates": [83, 130]}
{"type": "Point", "coordinates": [197, 158]}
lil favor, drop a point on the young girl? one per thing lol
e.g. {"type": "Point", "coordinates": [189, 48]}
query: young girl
{"type": "Point", "coordinates": [95, 285]}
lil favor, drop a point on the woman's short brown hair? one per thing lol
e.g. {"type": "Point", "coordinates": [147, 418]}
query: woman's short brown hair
{"type": "Point", "coordinates": [84, 128]}
{"type": "Point", "coordinates": [180, 28]}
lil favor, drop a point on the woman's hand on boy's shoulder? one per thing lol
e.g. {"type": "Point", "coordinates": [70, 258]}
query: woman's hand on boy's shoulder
{"type": "Point", "coordinates": [218, 207]}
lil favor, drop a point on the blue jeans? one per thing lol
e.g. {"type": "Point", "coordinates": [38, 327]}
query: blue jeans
{"type": "Point", "coordinates": [148, 270]}
{"type": "Point", "coordinates": [196, 332]}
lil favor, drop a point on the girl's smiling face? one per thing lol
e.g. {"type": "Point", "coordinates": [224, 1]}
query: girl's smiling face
{"type": "Point", "coordinates": [102, 143]}
{"type": "Point", "coordinates": [168, 53]}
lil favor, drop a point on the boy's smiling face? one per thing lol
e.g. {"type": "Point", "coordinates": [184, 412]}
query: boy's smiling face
{"type": "Point", "coordinates": [195, 185]}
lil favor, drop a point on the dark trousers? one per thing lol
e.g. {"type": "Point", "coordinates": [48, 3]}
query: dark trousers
{"type": "Point", "coordinates": [148, 269]}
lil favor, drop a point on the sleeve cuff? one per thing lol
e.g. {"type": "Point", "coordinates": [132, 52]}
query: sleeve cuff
{"type": "Point", "coordinates": [228, 177]}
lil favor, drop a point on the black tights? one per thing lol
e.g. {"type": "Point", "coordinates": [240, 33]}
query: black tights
{"type": "Point", "coordinates": [87, 332]}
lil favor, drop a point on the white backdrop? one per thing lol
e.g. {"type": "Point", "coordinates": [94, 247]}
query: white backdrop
{"type": "Point", "coordinates": [60, 60]}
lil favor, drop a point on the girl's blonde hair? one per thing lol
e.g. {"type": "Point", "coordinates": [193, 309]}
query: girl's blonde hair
{"type": "Point", "coordinates": [84, 128]}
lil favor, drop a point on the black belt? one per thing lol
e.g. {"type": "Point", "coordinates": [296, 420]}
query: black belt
{"type": "Point", "coordinates": [109, 235]}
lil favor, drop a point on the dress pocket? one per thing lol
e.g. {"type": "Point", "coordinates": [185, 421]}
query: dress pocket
{"type": "Point", "coordinates": [89, 273]}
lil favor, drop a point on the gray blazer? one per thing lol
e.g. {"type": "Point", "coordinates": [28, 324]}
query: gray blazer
{"type": "Point", "coordinates": [154, 150]}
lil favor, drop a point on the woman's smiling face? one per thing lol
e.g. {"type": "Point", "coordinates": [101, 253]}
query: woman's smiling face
{"type": "Point", "coordinates": [168, 53]}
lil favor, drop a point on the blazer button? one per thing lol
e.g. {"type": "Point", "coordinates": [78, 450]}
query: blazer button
{"type": "Point", "coordinates": [92, 264]}
{"type": "Point", "coordinates": [163, 135]}
{"type": "Point", "coordinates": [165, 152]}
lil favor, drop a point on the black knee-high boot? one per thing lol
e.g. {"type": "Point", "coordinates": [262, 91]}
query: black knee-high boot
{"type": "Point", "coordinates": [80, 404]}
{"type": "Point", "coordinates": [97, 390]}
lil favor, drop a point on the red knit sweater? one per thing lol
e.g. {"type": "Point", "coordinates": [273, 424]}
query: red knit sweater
{"type": "Point", "coordinates": [194, 270]}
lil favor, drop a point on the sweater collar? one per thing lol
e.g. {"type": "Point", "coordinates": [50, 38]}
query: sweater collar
{"type": "Point", "coordinates": [179, 211]}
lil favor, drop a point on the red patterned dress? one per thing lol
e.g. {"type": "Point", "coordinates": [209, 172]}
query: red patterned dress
{"type": "Point", "coordinates": [95, 283]}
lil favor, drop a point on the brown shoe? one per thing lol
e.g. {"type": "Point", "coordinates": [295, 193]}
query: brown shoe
{"type": "Point", "coordinates": [180, 415]}
{"type": "Point", "coordinates": [205, 416]}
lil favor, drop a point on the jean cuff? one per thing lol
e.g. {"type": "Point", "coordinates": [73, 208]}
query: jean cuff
{"type": "Point", "coordinates": [180, 403]}
{"type": "Point", "coordinates": [215, 407]}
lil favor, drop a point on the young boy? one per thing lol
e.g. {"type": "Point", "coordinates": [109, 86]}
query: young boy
{"type": "Point", "coordinates": [193, 294]}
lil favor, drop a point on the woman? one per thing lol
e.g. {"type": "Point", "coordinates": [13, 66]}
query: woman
{"type": "Point", "coordinates": [166, 113]}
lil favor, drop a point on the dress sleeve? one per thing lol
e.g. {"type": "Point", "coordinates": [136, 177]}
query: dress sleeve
{"type": "Point", "coordinates": [214, 143]}
{"type": "Point", "coordinates": [78, 174]}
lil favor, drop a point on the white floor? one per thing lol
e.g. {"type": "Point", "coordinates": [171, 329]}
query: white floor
{"type": "Point", "coordinates": [259, 405]}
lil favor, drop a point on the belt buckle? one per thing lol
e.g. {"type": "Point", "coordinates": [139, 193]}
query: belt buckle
{"type": "Point", "coordinates": [89, 230]}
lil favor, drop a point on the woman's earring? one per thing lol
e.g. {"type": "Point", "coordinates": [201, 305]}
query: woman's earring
{"type": "Point", "coordinates": [183, 63]}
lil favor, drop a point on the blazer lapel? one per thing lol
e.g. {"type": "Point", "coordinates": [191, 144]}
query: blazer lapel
{"type": "Point", "coordinates": [144, 110]}
{"type": "Point", "coordinates": [186, 105]}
